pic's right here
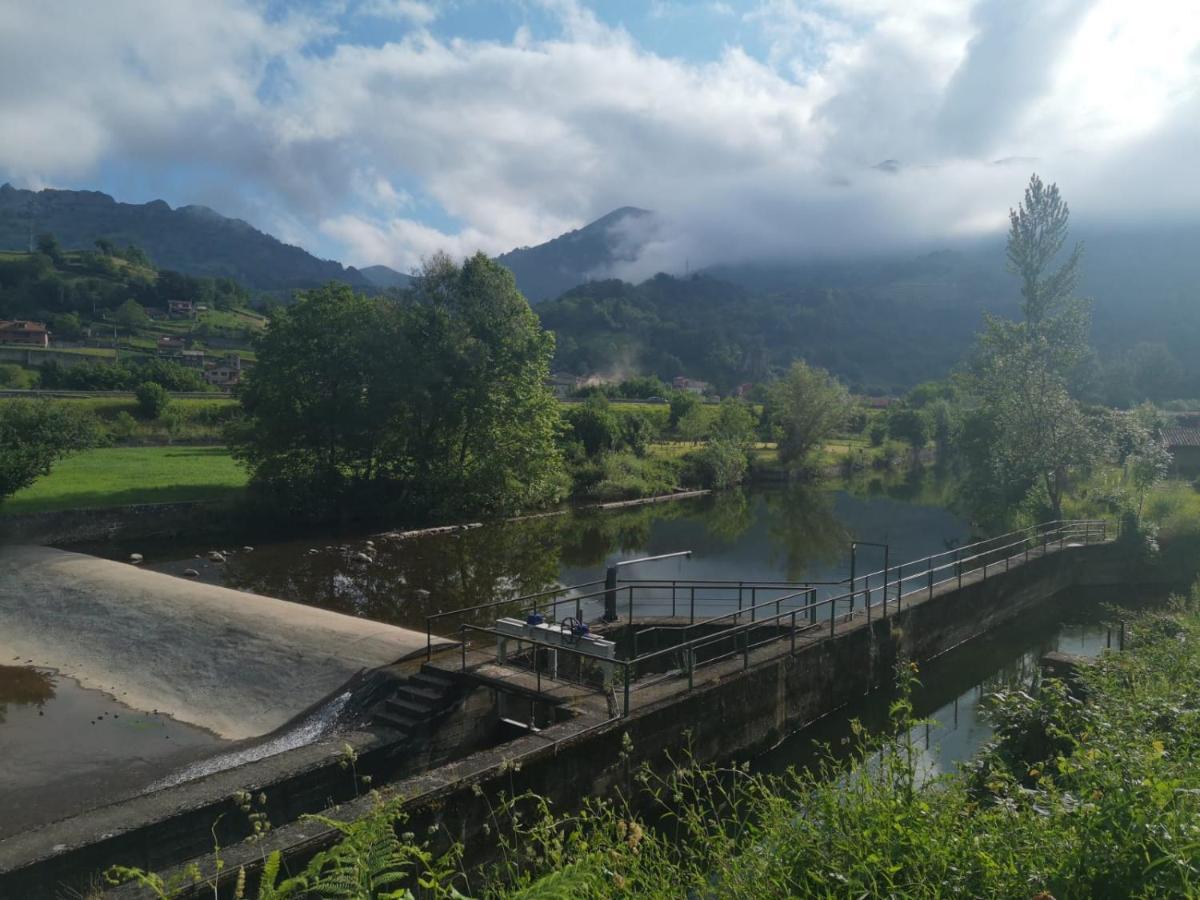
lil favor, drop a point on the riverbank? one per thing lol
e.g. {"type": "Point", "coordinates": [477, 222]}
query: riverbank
{"type": "Point", "coordinates": [1090, 793]}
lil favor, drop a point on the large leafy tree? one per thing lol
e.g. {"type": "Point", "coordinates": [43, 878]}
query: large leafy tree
{"type": "Point", "coordinates": [34, 435]}
{"type": "Point", "coordinates": [1027, 432]}
{"type": "Point", "coordinates": [435, 400]}
{"type": "Point", "coordinates": [807, 406]}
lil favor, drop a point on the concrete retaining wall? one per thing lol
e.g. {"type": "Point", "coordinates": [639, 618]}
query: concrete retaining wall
{"type": "Point", "coordinates": [741, 714]}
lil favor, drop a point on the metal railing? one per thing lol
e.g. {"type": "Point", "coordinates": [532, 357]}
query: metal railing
{"type": "Point", "coordinates": [798, 612]}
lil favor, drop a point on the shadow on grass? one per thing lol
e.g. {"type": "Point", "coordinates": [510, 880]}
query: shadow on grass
{"type": "Point", "coordinates": [176, 493]}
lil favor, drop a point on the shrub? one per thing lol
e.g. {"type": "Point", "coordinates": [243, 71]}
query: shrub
{"type": "Point", "coordinates": [152, 399]}
{"type": "Point", "coordinates": [719, 464]}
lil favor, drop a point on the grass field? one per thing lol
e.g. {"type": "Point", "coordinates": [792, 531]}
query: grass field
{"type": "Point", "coordinates": [118, 476]}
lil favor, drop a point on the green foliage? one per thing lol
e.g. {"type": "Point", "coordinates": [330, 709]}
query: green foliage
{"type": "Point", "coordinates": [681, 403]}
{"type": "Point", "coordinates": [909, 425]}
{"type": "Point", "coordinates": [48, 245]}
{"type": "Point", "coordinates": [625, 476]}
{"type": "Point", "coordinates": [130, 315]}
{"type": "Point", "coordinates": [15, 377]}
{"type": "Point", "coordinates": [152, 399]}
{"type": "Point", "coordinates": [719, 464]}
{"type": "Point", "coordinates": [34, 435]}
{"type": "Point", "coordinates": [436, 401]}
{"type": "Point", "coordinates": [1024, 430]}
{"type": "Point", "coordinates": [807, 406]}
{"type": "Point", "coordinates": [594, 425]}
{"type": "Point", "coordinates": [125, 376]}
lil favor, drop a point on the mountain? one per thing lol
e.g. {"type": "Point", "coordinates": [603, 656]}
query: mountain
{"type": "Point", "coordinates": [588, 253]}
{"type": "Point", "coordinates": [384, 277]}
{"type": "Point", "coordinates": [194, 240]}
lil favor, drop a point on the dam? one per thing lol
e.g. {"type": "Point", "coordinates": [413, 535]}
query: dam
{"type": "Point", "coordinates": [559, 680]}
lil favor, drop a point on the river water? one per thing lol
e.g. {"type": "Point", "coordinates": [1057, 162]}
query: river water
{"type": "Point", "coordinates": [793, 534]}
{"type": "Point", "coordinates": [799, 533]}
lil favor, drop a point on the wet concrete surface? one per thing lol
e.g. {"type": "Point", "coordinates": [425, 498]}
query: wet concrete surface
{"type": "Point", "coordinates": [64, 748]}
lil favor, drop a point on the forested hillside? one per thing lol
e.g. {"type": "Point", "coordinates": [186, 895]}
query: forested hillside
{"type": "Point", "coordinates": [194, 240]}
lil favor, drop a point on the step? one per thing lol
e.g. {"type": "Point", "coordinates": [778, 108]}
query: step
{"type": "Point", "coordinates": [418, 693]}
{"type": "Point", "coordinates": [399, 722]}
{"type": "Point", "coordinates": [415, 711]}
{"type": "Point", "coordinates": [431, 675]}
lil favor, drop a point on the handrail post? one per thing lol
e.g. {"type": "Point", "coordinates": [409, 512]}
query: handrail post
{"type": "Point", "coordinates": [626, 712]}
{"type": "Point", "coordinates": [672, 598]}
{"type": "Point", "coordinates": [692, 614]}
{"type": "Point", "coordinates": [886, 561]}
{"type": "Point", "coordinates": [930, 570]}
{"type": "Point", "coordinates": [899, 584]}
{"type": "Point", "coordinates": [867, 598]}
{"type": "Point", "coordinates": [793, 631]}
{"type": "Point", "coordinates": [610, 594]}
{"type": "Point", "coordinates": [832, 615]}
{"type": "Point", "coordinates": [812, 605]}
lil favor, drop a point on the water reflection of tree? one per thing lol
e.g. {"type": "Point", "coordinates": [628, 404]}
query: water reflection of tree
{"type": "Point", "coordinates": [804, 530]}
{"type": "Point", "coordinates": [730, 516]}
{"type": "Point", "coordinates": [23, 686]}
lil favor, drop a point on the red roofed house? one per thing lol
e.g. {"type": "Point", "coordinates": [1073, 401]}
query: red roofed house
{"type": "Point", "coordinates": [24, 332]}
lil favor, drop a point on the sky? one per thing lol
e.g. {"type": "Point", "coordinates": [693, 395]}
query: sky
{"type": "Point", "coordinates": [382, 131]}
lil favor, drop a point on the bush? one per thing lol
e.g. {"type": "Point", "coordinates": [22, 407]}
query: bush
{"type": "Point", "coordinates": [152, 399]}
{"type": "Point", "coordinates": [624, 476]}
{"type": "Point", "coordinates": [15, 378]}
{"type": "Point", "coordinates": [720, 464]}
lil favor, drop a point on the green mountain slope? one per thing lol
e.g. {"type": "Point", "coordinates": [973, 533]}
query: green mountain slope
{"type": "Point", "coordinates": [194, 240]}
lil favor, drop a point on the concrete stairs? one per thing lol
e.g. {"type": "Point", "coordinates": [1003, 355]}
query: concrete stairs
{"type": "Point", "coordinates": [417, 701]}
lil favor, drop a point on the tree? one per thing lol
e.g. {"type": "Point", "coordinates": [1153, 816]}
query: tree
{"type": "Point", "coordinates": [105, 246]}
{"type": "Point", "coordinates": [435, 400]}
{"type": "Point", "coordinates": [910, 425]}
{"type": "Point", "coordinates": [733, 424]}
{"type": "Point", "coordinates": [48, 244]}
{"type": "Point", "coordinates": [807, 406]}
{"type": "Point", "coordinates": [594, 425]}
{"type": "Point", "coordinates": [130, 315]}
{"type": "Point", "coordinates": [682, 402]}
{"type": "Point", "coordinates": [34, 435]}
{"type": "Point", "coordinates": [1025, 429]}
{"type": "Point", "coordinates": [152, 399]}
{"type": "Point", "coordinates": [694, 426]}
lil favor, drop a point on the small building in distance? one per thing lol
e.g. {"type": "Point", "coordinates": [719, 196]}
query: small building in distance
{"type": "Point", "coordinates": [167, 342]}
{"type": "Point", "coordinates": [1184, 444]}
{"type": "Point", "coordinates": [24, 332]}
{"type": "Point", "coordinates": [181, 309]}
{"type": "Point", "coordinates": [225, 374]}
{"type": "Point", "coordinates": [193, 359]}
{"type": "Point", "coordinates": [691, 385]}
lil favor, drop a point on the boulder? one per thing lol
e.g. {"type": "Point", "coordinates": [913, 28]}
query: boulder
{"type": "Point", "coordinates": [191, 573]}
{"type": "Point", "coordinates": [135, 558]}
{"type": "Point", "coordinates": [216, 556]}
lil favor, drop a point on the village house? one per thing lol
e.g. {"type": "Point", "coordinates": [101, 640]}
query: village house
{"type": "Point", "coordinates": [167, 342]}
{"type": "Point", "coordinates": [24, 332]}
{"type": "Point", "coordinates": [225, 374]}
{"type": "Point", "coordinates": [1184, 444]}
{"type": "Point", "coordinates": [691, 385]}
{"type": "Point", "coordinates": [181, 309]}
{"type": "Point", "coordinates": [193, 359]}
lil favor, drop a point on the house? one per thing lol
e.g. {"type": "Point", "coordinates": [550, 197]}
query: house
{"type": "Point", "coordinates": [181, 309]}
{"type": "Point", "coordinates": [24, 332]}
{"type": "Point", "coordinates": [562, 384]}
{"type": "Point", "coordinates": [225, 374]}
{"type": "Point", "coordinates": [1184, 444]}
{"type": "Point", "coordinates": [193, 359]}
{"type": "Point", "coordinates": [166, 342]}
{"type": "Point", "coordinates": [691, 385]}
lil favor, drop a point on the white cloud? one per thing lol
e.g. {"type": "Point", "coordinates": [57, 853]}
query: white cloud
{"type": "Point", "coordinates": [520, 140]}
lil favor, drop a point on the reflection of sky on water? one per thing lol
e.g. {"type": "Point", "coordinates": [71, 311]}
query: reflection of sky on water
{"type": "Point", "coordinates": [954, 687]}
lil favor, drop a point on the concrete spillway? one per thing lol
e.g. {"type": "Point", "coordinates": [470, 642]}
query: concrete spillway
{"type": "Point", "coordinates": [238, 664]}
